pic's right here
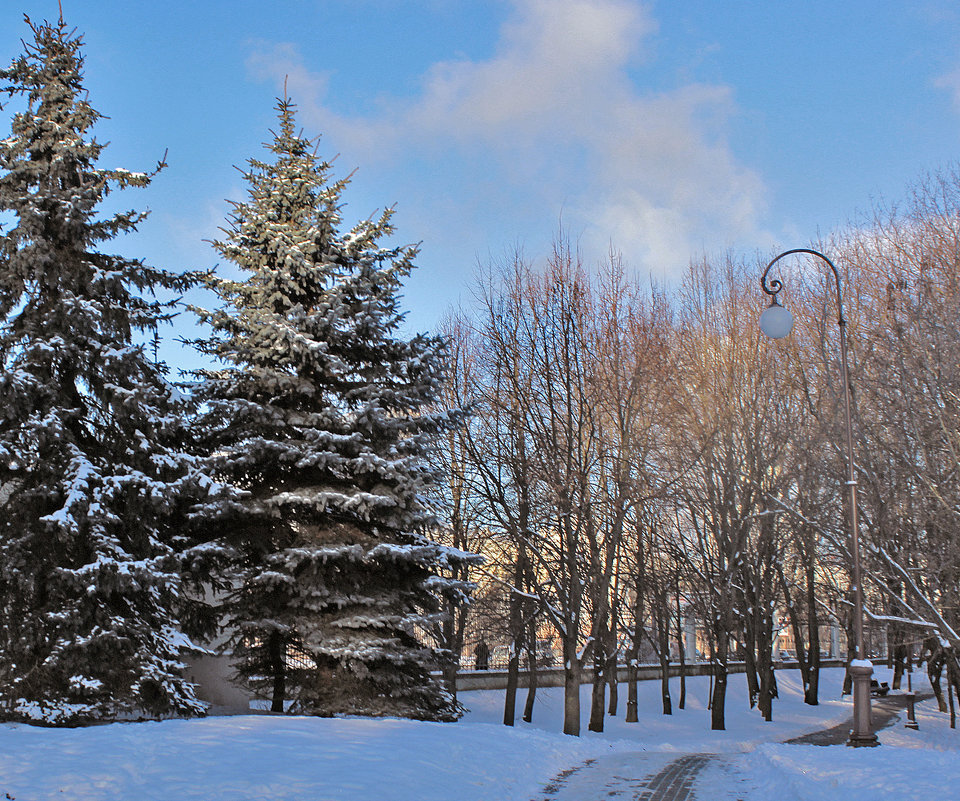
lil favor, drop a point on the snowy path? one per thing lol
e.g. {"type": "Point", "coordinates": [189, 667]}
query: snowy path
{"type": "Point", "coordinates": [646, 776]}
{"type": "Point", "coordinates": [618, 776]}
{"type": "Point", "coordinates": [631, 776]}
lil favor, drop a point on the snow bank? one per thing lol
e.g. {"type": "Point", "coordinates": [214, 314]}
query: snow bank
{"type": "Point", "coordinates": [919, 765]}
{"type": "Point", "coordinates": [813, 773]}
{"type": "Point", "coordinates": [269, 758]}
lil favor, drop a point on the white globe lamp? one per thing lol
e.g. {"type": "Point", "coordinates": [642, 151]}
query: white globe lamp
{"type": "Point", "coordinates": [776, 322]}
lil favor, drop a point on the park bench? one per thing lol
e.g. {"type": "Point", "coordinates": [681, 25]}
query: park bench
{"type": "Point", "coordinates": [878, 688]}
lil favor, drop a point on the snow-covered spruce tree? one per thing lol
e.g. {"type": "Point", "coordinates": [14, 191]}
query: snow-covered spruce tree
{"type": "Point", "coordinates": [322, 414]}
{"type": "Point", "coordinates": [93, 477]}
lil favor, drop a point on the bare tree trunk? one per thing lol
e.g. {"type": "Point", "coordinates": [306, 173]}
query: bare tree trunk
{"type": "Point", "coordinates": [750, 662]}
{"type": "Point", "coordinates": [632, 697]}
{"type": "Point", "coordinates": [851, 655]}
{"type": "Point", "coordinates": [533, 643]}
{"type": "Point", "coordinates": [612, 677]}
{"type": "Point", "coordinates": [571, 688]}
{"type": "Point", "coordinates": [513, 681]}
{"type": "Point", "coordinates": [953, 681]}
{"type": "Point", "coordinates": [681, 650]}
{"type": "Point", "coordinates": [812, 680]}
{"type": "Point", "coordinates": [516, 637]}
{"type": "Point", "coordinates": [451, 666]}
{"type": "Point", "coordinates": [663, 640]}
{"type": "Point", "coordinates": [719, 682]}
{"type": "Point", "coordinates": [613, 670]}
{"type": "Point", "coordinates": [898, 652]}
{"type": "Point", "coordinates": [712, 650]}
{"type": "Point", "coordinates": [598, 691]}
{"type": "Point", "coordinates": [768, 686]}
{"type": "Point", "coordinates": [847, 678]}
{"type": "Point", "coordinates": [665, 684]}
{"type": "Point", "coordinates": [534, 675]}
{"type": "Point", "coordinates": [953, 709]}
{"type": "Point", "coordinates": [934, 672]}
{"type": "Point", "coordinates": [633, 656]}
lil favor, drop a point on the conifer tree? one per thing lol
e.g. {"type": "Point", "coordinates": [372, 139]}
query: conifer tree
{"type": "Point", "coordinates": [93, 477]}
{"type": "Point", "coordinates": [322, 415]}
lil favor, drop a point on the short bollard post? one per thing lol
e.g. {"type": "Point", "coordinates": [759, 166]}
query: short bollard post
{"type": "Point", "coordinates": [911, 713]}
{"type": "Point", "coordinates": [862, 734]}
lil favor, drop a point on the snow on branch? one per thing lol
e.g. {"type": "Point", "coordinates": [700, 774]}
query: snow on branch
{"type": "Point", "coordinates": [944, 628]}
{"type": "Point", "coordinates": [555, 615]}
{"type": "Point", "coordinates": [906, 621]}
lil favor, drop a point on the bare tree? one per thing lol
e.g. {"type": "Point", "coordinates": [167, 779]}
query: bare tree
{"type": "Point", "coordinates": [729, 418]}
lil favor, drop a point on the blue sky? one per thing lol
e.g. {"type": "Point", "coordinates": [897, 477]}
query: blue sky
{"type": "Point", "coordinates": [664, 129]}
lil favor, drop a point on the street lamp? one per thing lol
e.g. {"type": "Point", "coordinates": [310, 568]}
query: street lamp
{"type": "Point", "coordinates": [776, 323]}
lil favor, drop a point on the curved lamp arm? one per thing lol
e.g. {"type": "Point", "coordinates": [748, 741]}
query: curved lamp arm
{"type": "Point", "coordinates": [775, 284]}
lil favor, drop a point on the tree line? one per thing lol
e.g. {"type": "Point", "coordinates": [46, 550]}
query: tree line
{"type": "Point", "coordinates": [637, 457]}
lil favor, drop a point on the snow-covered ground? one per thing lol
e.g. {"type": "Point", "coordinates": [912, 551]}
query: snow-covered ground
{"type": "Point", "coordinates": [919, 765]}
{"type": "Point", "coordinates": [265, 757]}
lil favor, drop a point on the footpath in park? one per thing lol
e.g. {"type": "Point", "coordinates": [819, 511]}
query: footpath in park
{"type": "Point", "coordinates": [666, 777]}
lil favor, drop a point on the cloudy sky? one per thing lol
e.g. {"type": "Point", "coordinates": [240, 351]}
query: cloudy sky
{"type": "Point", "coordinates": [663, 129]}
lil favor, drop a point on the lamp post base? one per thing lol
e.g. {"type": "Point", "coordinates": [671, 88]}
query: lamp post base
{"type": "Point", "coordinates": [862, 734]}
{"type": "Point", "coordinates": [911, 711]}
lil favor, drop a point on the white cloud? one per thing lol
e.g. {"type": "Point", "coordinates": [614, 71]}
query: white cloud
{"type": "Point", "coordinates": [950, 82]}
{"type": "Point", "coordinates": [556, 59]}
{"type": "Point", "coordinates": [284, 61]}
{"type": "Point", "coordinates": [557, 123]}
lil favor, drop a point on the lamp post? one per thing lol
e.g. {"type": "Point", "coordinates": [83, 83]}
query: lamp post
{"type": "Point", "coordinates": [776, 322]}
